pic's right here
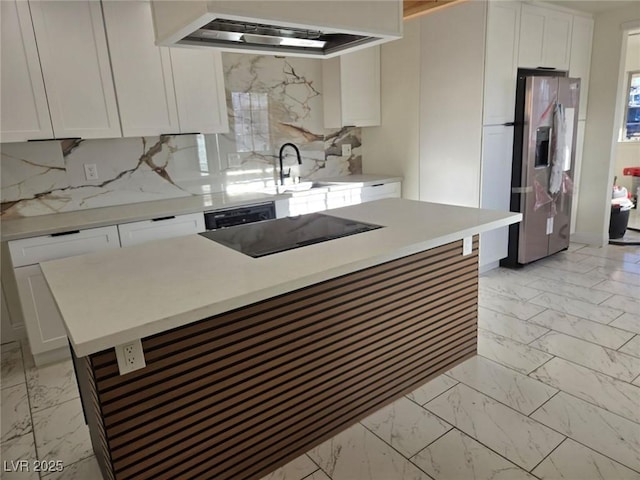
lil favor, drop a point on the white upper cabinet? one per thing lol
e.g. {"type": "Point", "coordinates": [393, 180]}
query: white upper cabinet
{"type": "Point", "coordinates": [501, 62]}
{"type": "Point", "coordinates": [200, 95]}
{"type": "Point", "coordinates": [580, 66]}
{"type": "Point", "coordinates": [75, 64]}
{"type": "Point", "coordinates": [24, 113]}
{"type": "Point", "coordinates": [545, 38]}
{"type": "Point", "coordinates": [351, 85]}
{"type": "Point", "coordinates": [141, 71]}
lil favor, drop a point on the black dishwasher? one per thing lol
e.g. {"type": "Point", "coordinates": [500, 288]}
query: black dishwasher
{"type": "Point", "coordinates": [229, 217]}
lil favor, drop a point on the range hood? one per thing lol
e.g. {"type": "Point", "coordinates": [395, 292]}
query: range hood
{"type": "Point", "coordinates": [311, 28]}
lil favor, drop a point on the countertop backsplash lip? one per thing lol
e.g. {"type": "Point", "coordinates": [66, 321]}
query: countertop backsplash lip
{"type": "Point", "coordinates": [33, 226]}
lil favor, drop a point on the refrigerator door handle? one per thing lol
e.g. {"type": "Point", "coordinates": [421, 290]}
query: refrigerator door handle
{"type": "Point", "coordinates": [527, 189]}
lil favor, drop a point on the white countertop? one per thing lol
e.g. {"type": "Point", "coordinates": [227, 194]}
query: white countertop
{"type": "Point", "coordinates": [16, 228]}
{"type": "Point", "coordinates": [112, 297]}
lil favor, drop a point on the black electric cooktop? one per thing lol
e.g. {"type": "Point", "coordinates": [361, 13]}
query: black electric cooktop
{"type": "Point", "coordinates": [273, 236]}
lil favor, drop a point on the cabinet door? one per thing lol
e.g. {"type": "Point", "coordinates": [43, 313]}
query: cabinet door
{"type": "Point", "coordinates": [545, 38]}
{"type": "Point", "coordinates": [200, 95]}
{"type": "Point", "coordinates": [580, 65]}
{"type": "Point", "coordinates": [501, 62]}
{"type": "Point", "coordinates": [159, 228]}
{"type": "Point", "coordinates": [75, 65]}
{"type": "Point", "coordinates": [531, 37]}
{"type": "Point", "coordinates": [497, 144]}
{"type": "Point", "coordinates": [351, 84]}
{"type": "Point", "coordinates": [379, 191]}
{"type": "Point", "coordinates": [41, 317]}
{"type": "Point", "coordinates": [556, 47]}
{"type": "Point", "coordinates": [360, 85]}
{"type": "Point", "coordinates": [29, 251]}
{"type": "Point", "coordinates": [24, 113]}
{"type": "Point", "coordinates": [577, 167]}
{"type": "Point", "coordinates": [141, 71]}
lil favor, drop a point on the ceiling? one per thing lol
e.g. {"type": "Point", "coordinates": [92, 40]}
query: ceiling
{"type": "Point", "coordinates": [592, 6]}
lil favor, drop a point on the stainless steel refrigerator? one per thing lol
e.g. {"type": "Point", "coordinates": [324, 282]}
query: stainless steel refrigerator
{"type": "Point", "coordinates": [546, 118]}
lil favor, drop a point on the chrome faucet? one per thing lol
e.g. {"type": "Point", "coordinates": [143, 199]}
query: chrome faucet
{"type": "Point", "coordinates": [282, 174]}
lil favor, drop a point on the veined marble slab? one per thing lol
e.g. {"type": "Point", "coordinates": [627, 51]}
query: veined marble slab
{"type": "Point", "coordinates": [579, 308]}
{"type": "Point", "coordinates": [611, 265]}
{"type": "Point", "coordinates": [613, 252]}
{"type": "Point", "coordinates": [509, 353]}
{"type": "Point", "coordinates": [85, 469]}
{"type": "Point", "coordinates": [572, 461]}
{"type": "Point", "coordinates": [503, 304]}
{"type": "Point", "coordinates": [508, 326]}
{"type": "Point", "coordinates": [503, 384]}
{"type": "Point", "coordinates": [456, 456]}
{"type": "Point", "coordinates": [632, 347]}
{"type": "Point", "coordinates": [432, 389]}
{"type": "Point", "coordinates": [619, 288]}
{"type": "Point", "coordinates": [296, 469]}
{"type": "Point", "coordinates": [627, 304]}
{"type": "Point", "coordinates": [515, 436]}
{"type": "Point", "coordinates": [594, 332]}
{"type": "Point", "coordinates": [619, 275]}
{"type": "Point", "coordinates": [602, 359]}
{"type": "Point", "coordinates": [12, 367]}
{"type": "Point", "coordinates": [51, 385]}
{"type": "Point", "coordinates": [357, 454]}
{"type": "Point", "coordinates": [588, 279]}
{"type": "Point", "coordinates": [504, 286]}
{"type": "Point", "coordinates": [606, 432]}
{"type": "Point", "coordinates": [406, 426]}
{"type": "Point", "coordinates": [570, 291]}
{"type": "Point", "coordinates": [16, 419]}
{"type": "Point", "coordinates": [16, 449]}
{"type": "Point", "coordinates": [602, 390]}
{"type": "Point", "coordinates": [627, 321]}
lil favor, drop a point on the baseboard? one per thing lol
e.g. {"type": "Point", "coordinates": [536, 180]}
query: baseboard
{"type": "Point", "coordinates": [593, 239]}
{"type": "Point", "coordinates": [488, 267]}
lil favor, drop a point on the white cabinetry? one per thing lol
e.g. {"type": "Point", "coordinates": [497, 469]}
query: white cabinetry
{"type": "Point", "coordinates": [75, 64]}
{"type": "Point", "coordinates": [501, 62]}
{"type": "Point", "coordinates": [580, 65]}
{"type": "Point", "coordinates": [377, 191]}
{"type": "Point", "coordinates": [24, 112]}
{"type": "Point", "coordinates": [141, 71]}
{"type": "Point", "coordinates": [577, 168]}
{"type": "Point", "coordinates": [545, 38]}
{"type": "Point", "coordinates": [44, 326]}
{"type": "Point", "coordinates": [200, 95]}
{"type": "Point", "coordinates": [351, 85]}
{"type": "Point", "coordinates": [495, 188]}
{"type": "Point", "coordinates": [160, 228]}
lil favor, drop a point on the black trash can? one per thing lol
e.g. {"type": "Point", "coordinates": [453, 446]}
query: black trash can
{"type": "Point", "coordinates": [619, 220]}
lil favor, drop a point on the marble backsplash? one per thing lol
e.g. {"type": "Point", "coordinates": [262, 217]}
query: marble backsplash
{"type": "Point", "coordinates": [270, 101]}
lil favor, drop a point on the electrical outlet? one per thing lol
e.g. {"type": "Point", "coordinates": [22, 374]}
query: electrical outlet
{"type": "Point", "coordinates": [130, 357]}
{"type": "Point", "coordinates": [346, 150]}
{"type": "Point", "coordinates": [91, 171]}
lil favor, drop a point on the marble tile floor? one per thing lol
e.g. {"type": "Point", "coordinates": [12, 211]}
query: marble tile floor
{"type": "Point", "coordinates": [554, 392]}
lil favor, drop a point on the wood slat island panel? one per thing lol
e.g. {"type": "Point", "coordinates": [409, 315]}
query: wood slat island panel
{"type": "Point", "coordinates": [239, 394]}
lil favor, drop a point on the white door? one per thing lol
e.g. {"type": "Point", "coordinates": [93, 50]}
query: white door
{"type": "Point", "coordinates": [501, 62]}
{"type": "Point", "coordinates": [497, 142]}
{"type": "Point", "coordinates": [75, 65]}
{"type": "Point", "coordinates": [42, 320]}
{"type": "Point", "coordinates": [24, 113]}
{"type": "Point", "coordinates": [360, 85]}
{"type": "Point", "coordinates": [200, 95]}
{"type": "Point", "coordinates": [141, 71]}
{"type": "Point", "coordinates": [580, 65]}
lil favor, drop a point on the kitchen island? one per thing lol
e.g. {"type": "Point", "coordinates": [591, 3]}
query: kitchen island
{"type": "Point", "coordinates": [252, 361]}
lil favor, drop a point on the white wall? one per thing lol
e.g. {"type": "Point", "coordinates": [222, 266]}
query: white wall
{"type": "Point", "coordinates": [628, 153]}
{"type": "Point", "coordinates": [451, 89]}
{"type": "Point", "coordinates": [393, 147]}
{"type": "Point", "coordinates": [596, 177]}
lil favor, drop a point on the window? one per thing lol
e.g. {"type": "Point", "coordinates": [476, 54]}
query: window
{"type": "Point", "coordinates": [251, 121]}
{"type": "Point", "coordinates": [632, 111]}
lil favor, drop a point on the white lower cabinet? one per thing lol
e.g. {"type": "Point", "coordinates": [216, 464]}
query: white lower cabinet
{"type": "Point", "coordinates": [44, 324]}
{"type": "Point", "coordinates": [336, 197]}
{"type": "Point", "coordinates": [160, 228]}
{"type": "Point", "coordinates": [42, 320]}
